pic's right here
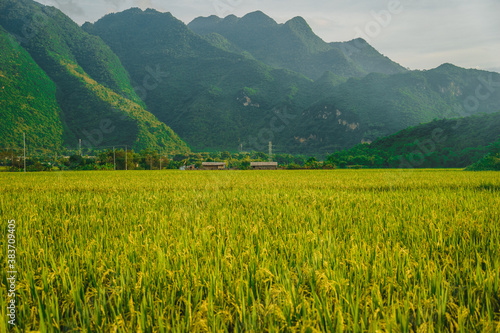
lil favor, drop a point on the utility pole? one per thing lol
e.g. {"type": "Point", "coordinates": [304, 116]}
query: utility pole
{"type": "Point", "coordinates": [126, 151]}
{"type": "Point", "coordinates": [114, 158]}
{"type": "Point", "coordinates": [270, 151]}
{"type": "Point", "coordinates": [24, 140]}
{"type": "Point", "coordinates": [80, 146]}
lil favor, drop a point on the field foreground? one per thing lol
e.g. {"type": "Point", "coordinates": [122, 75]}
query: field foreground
{"type": "Point", "coordinates": [396, 251]}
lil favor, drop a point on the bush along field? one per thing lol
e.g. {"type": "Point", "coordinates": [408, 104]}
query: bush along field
{"type": "Point", "coordinates": [343, 250]}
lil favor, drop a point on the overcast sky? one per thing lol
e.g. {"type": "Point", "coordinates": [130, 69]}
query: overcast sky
{"type": "Point", "coordinates": [419, 34]}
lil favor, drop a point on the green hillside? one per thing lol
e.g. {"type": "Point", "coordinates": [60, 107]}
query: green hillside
{"type": "Point", "coordinates": [449, 143]}
{"type": "Point", "coordinates": [214, 99]}
{"type": "Point", "coordinates": [294, 46]}
{"type": "Point", "coordinates": [93, 91]}
{"type": "Point", "coordinates": [362, 110]}
{"type": "Point", "coordinates": [366, 57]}
{"type": "Point", "coordinates": [27, 99]}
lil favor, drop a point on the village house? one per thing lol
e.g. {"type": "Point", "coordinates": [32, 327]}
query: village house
{"type": "Point", "coordinates": [214, 165]}
{"type": "Point", "coordinates": [264, 165]}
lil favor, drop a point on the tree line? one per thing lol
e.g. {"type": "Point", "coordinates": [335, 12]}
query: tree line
{"type": "Point", "coordinates": [360, 156]}
{"type": "Point", "coordinates": [147, 159]}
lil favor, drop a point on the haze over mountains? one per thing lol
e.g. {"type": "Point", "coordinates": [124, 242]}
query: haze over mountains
{"type": "Point", "coordinates": [294, 46]}
{"type": "Point", "coordinates": [215, 84]}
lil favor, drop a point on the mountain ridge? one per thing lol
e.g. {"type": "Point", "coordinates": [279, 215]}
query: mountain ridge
{"type": "Point", "coordinates": [216, 94]}
{"type": "Point", "coordinates": [293, 44]}
{"type": "Point", "coordinates": [371, 105]}
{"type": "Point", "coordinates": [95, 97]}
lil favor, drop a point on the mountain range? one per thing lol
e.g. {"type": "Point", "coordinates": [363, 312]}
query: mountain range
{"type": "Point", "coordinates": [60, 85]}
{"type": "Point", "coordinates": [147, 80]}
{"type": "Point", "coordinates": [294, 46]}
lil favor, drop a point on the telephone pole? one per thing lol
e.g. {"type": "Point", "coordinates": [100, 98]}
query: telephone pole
{"type": "Point", "coordinates": [114, 158]}
{"type": "Point", "coordinates": [270, 151]}
{"type": "Point", "coordinates": [80, 146]}
{"type": "Point", "coordinates": [126, 150]}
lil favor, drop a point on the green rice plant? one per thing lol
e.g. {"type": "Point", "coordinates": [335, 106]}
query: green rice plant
{"type": "Point", "coordinates": [305, 251]}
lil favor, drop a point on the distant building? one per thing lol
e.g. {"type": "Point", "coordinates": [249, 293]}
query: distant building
{"type": "Point", "coordinates": [214, 165]}
{"type": "Point", "coordinates": [188, 167]}
{"type": "Point", "coordinates": [264, 165]}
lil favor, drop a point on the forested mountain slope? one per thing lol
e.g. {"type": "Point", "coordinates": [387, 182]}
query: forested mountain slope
{"type": "Point", "coordinates": [96, 102]}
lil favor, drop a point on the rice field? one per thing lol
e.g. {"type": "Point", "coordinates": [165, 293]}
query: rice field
{"type": "Point", "coordinates": [278, 251]}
